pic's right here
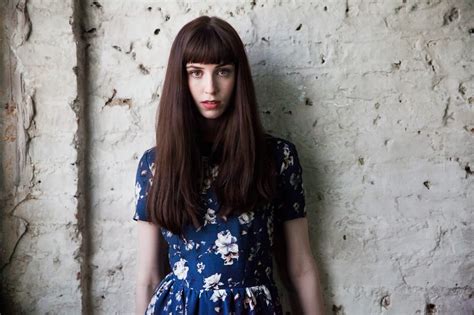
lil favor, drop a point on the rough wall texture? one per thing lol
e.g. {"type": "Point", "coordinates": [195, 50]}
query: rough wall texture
{"type": "Point", "coordinates": [40, 241]}
{"type": "Point", "coordinates": [377, 95]}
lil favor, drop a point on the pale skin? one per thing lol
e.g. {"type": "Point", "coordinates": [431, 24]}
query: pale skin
{"type": "Point", "coordinates": [210, 82]}
{"type": "Point", "coordinates": [216, 82]}
{"type": "Point", "coordinates": [151, 261]}
{"type": "Point", "coordinates": [301, 268]}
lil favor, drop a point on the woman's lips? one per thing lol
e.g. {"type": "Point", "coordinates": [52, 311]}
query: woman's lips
{"type": "Point", "coordinates": [211, 105]}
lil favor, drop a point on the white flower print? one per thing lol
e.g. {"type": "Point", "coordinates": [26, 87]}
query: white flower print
{"type": "Point", "coordinates": [168, 304]}
{"type": "Point", "coordinates": [212, 282]}
{"type": "Point", "coordinates": [152, 168]}
{"type": "Point", "coordinates": [189, 245]}
{"type": "Point", "coordinates": [226, 245]}
{"type": "Point", "coordinates": [178, 294]}
{"type": "Point", "coordinates": [210, 174]}
{"type": "Point", "coordinates": [270, 229]}
{"type": "Point", "coordinates": [267, 294]}
{"type": "Point", "coordinates": [164, 286]}
{"type": "Point", "coordinates": [287, 158]}
{"type": "Point", "coordinates": [206, 185]}
{"type": "Point", "coordinates": [246, 217]}
{"type": "Point", "coordinates": [200, 266]}
{"type": "Point", "coordinates": [249, 300]}
{"type": "Point", "coordinates": [138, 189]}
{"type": "Point", "coordinates": [295, 179]}
{"type": "Point", "coordinates": [268, 271]}
{"type": "Point", "coordinates": [180, 269]}
{"type": "Point", "coordinates": [296, 206]}
{"type": "Point", "coordinates": [218, 295]}
{"type": "Point", "coordinates": [214, 172]}
{"type": "Point", "coordinates": [210, 217]}
{"type": "Point", "coordinates": [253, 251]}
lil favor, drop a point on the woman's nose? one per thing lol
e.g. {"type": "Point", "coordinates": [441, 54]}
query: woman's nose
{"type": "Point", "coordinates": [210, 85]}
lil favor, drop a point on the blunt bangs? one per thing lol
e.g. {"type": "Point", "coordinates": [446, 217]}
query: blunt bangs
{"type": "Point", "coordinates": [207, 47]}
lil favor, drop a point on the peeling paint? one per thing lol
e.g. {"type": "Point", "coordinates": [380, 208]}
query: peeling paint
{"type": "Point", "coordinates": [450, 16]}
{"type": "Point", "coordinates": [338, 310]}
{"type": "Point", "coordinates": [427, 184]}
{"type": "Point", "coordinates": [431, 309]}
{"type": "Point", "coordinates": [113, 101]}
{"type": "Point", "coordinates": [23, 27]}
{"type": "Point", "coordinates": [143, 69]}
{"type": "Point", "coordinates": [385, 302]}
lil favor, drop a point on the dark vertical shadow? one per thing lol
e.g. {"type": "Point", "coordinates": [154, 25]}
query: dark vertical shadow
{"type": "Point", "coordinates": [82, 142]}
{"type": "Point", "coordinates": [273, 91]}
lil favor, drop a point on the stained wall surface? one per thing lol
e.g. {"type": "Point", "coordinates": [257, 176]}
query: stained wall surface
{"type": "Point", "coordinates": [377, 96]}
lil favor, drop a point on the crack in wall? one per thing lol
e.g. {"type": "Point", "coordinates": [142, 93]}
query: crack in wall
{"type": "Point", "coordinates": [446, 114]}
{"type": "Point", "coordinates": [13, 229]}
{"type": "Point", "coordinates": [402, 275]}
{"type": "Point", "coordinates": [81, 143]}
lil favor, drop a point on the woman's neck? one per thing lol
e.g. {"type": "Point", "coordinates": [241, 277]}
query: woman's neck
{"type": "Point", "coordinates": [208, 129]}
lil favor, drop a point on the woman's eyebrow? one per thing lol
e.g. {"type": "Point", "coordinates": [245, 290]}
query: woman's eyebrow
{"type": "Point", "coordinates": [218, 66]}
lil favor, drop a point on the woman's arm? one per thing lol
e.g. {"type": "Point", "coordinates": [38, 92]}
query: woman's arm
{"type": "Point", "coordinates": [301, 268]}
{"type": "Point", "coordinates": [152, 263]}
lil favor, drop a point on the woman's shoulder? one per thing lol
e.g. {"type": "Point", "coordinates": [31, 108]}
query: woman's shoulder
{"type": "Point", "coordinates": [148, 158]}
{"type": "Point", "coordinates": [286, 156]}
{"type": "Point", "coordinates": [279, 145]}
{"type": "Point", "coordinates": [150, 152]}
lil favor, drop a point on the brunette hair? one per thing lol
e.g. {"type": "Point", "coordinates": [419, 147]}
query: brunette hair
{"type": "Point", "coordinates": [246, 177]}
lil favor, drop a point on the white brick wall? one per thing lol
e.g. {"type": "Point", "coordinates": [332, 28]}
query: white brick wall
{"type": "Point", "coordinates": [377, 95]}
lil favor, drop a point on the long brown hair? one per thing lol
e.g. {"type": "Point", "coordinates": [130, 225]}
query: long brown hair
{"type": "Point", "coordinates": [246, 177]}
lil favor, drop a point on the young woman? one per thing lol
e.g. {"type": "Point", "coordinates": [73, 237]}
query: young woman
{"type": "Point", "coordinates": [216, 196]}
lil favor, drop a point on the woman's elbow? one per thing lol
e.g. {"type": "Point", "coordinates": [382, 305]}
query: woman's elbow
{"type": "Point", "coordinates": [302, 268]}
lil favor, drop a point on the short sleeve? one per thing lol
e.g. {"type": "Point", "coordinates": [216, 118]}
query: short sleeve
{"type": "Point", "coordinates": [291, 203]}
{"type": "Point", "coordinates": [143, 180]}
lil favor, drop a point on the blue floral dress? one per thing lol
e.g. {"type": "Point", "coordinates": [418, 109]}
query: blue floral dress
{"type": "Point", "coordinates": [225, 266]}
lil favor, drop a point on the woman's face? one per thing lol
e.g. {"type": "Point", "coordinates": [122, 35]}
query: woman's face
{"type": "Point", "coordinates": [211, 86]}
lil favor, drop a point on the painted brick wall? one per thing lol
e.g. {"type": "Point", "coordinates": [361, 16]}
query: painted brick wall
{"type": "Point", "coordinates": [377, 96]}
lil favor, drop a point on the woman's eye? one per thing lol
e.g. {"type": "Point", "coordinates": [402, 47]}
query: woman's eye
{"type": "Point", "coordinates": [224, 72]}
{"type": "Point", "coordinates": [220, 72]}
{"type": "Point", "coordinates": [195, 73]}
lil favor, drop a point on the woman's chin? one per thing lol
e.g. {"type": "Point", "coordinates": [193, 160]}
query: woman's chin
{"type": "Point", "coordinates": [211, 114]}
